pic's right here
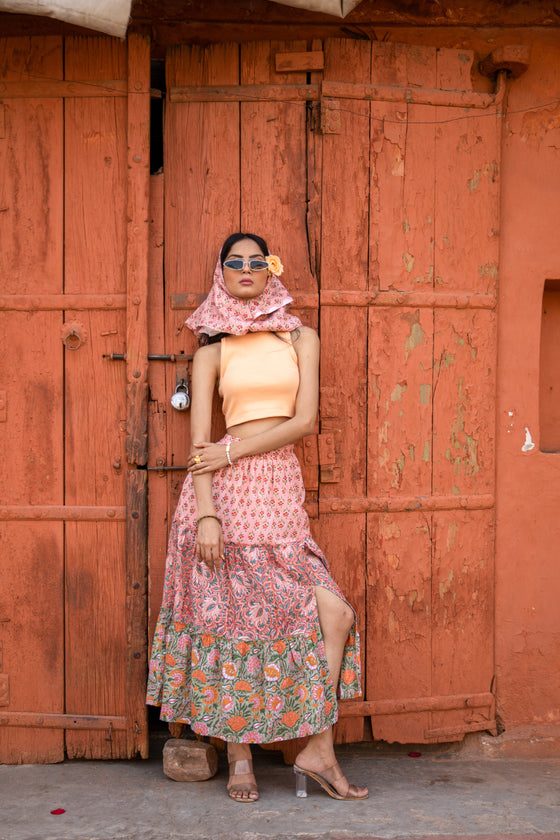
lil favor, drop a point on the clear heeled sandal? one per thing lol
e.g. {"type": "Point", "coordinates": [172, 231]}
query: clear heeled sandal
{"type": "Point", "coordinates": [301, 784]}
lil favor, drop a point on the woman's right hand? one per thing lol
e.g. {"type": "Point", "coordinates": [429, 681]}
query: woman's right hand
{"type": "Point", "coordinates": [210, 543]}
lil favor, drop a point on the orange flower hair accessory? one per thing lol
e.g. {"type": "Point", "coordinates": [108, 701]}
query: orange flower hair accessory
{"type": "Point", "coordinates": [274, 265]}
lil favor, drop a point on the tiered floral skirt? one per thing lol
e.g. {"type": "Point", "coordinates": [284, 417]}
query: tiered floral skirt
{"type": "Point", "coordinates": [238, 653]}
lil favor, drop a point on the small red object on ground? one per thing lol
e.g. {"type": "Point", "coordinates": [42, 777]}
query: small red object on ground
{"type": "Point", "coordinates": [59, 811]}
{"type": "Point", "coordinates": [415, 754]}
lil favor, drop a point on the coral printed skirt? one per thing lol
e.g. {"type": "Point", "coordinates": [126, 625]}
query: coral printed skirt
{"type": "Point", "coordinates": [238, 653]}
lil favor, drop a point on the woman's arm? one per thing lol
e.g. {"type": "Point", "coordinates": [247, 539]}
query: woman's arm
{"type": "Point", "coordinates": [206, 364]}
{"type": "Point", "coordinates": [301, 424]}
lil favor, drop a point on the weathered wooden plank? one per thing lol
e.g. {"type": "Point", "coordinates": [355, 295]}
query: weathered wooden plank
{"type": "Point", "coordinates": [387, 162]}
{"type": "Point", "coordinates": [23, 57]}
{"type": "Point", "coordinates": [31, 560]}
{"type": "Point", "coordinates": [95, 166]}
{"type": "Point", "coordinates": [400, 503]}
{"type": "Point", "coordinates": [406, 705]}
{"type": "Point", "coordinates": [464, 389]}
{"type": "Point", "coordinates": [158, 407]}
{"type": "Point", "coordinates": [467, 187]}
{"type": "Point", "coordinates": [138, 189]}
{"type": "Point", "coordinates": [402, 187]}
{"type": "Point", "coordinates": [246, 92]}
{"type": "Point", "coordinates": [37, 303]}
{"type": "Point", "coordinates": [95, 590]}
{"type": "Point", "coordinates": [61, 513]}
{"type": "Point", "coordinates": [53, 721]}
{"type": "Point", "coordinates": [400, 92]}
{"type": "Point", "coordinates": [296, 61]}
{"type": "Point", "coordinates": [96, 243]}
{"type": "Point", "coordinates": [344, 265]}
{"type": "Point", "coordinates": [96, 644]}
{"type": "Point", "coordinates": [136, 612]}
{"type": "Point", "coordinates": [31, 164]}
{"type": "Point", "coordinates": [462, 609]}
{"type": "Point", "coordinates": [51, 89]}
{"type": "Point", "coordinates": [400, 402]}
{"type": "Point", "coordinates": [32, 637]}
{"type": "Point", "coordinates": [399, 611]}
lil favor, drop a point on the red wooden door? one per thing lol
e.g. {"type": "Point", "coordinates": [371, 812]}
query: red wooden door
{"type": "Point", "coordinates": [376, 179]}
{"type": "Point", "coordinates": [73, 231]}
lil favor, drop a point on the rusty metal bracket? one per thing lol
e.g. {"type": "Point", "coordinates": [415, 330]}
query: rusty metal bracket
{"type": "Point", "coordinates": [514, 60]}
{"type": "Point", "coordinates": [330, 116]}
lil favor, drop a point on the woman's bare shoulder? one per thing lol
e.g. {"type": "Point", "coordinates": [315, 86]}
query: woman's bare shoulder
{"type": "Point", "coordinates": [208, 356]}
{"type": "Point", "coordinates": [306, 337]}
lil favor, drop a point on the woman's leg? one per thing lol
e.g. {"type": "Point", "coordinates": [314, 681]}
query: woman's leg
{"type": "Point", "coordinates": [242, 785]}
{"type": "Point", "coordinates": [336, 619]}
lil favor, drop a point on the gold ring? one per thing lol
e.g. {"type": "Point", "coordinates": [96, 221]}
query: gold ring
{"type": "Point", "coordinates": [197, 459]}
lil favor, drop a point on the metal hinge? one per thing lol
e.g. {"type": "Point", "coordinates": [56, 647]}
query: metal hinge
{"type": "Point", "coordinates": [320, 450]}
{"type": "Point", "coordinates": [324, 116]}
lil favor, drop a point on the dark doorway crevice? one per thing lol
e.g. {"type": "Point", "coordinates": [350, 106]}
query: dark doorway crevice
{"type": "Point", "coordinates": [156, 115]}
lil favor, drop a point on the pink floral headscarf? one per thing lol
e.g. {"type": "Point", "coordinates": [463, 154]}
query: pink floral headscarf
{"type": "Point", "coordinates": [224, 313]}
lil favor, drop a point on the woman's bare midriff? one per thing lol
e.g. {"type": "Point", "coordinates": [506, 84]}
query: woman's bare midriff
{"type": "Point", "coordinates": [255, 427]}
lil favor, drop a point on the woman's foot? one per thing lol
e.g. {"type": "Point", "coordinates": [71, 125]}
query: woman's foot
{"type": "Point", "coordinates": [242, 785]}
{"type": "Point", "coordinates": [322, 766]}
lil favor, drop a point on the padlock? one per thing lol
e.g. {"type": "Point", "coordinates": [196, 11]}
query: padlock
{"type": "Point", "coordinates": [181, 399]}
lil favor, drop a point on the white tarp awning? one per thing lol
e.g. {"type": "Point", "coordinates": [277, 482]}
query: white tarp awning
{"type": "Point", "coordinates": [112, 16]}
{"type": "Point", "coordinates": [109, 16]}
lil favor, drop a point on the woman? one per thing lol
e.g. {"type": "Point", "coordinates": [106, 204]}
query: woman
{"type": "Point", "coordinates": [253, 631]}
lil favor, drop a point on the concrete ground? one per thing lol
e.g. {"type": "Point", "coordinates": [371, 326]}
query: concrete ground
{"type": "Point", "coordinates": [443, 793]}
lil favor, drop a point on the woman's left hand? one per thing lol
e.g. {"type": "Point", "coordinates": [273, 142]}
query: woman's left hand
{"type": "Point", "coordinates": [207, 457]}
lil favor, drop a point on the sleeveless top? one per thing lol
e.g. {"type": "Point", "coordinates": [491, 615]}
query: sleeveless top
{"type": "Point", "coordinates": [259, 376]}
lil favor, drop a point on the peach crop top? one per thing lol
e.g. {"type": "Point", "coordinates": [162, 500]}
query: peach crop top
{"type": "Point", "coordinates": [259, 376]}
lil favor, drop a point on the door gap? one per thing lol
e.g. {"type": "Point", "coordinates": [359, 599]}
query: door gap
{"type": "Point", "coordinates": [157, 83]}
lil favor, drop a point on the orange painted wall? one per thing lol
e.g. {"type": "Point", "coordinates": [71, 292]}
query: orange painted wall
{"type": "Point", "coordinates": [528, 482]}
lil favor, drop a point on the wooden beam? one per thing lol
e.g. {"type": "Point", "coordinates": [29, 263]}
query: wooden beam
{"type": "Point", "coordinates": [244, 93]}
{"type": "Point", "coordinates": [54, 89]}
{"type": "Point", "coordinates": [137, 390]}
{"type": "Point", "coordinates": [54, 721]}
{"type": "Point", "coordinates": [395, 504]}
{"type": "Point", "coordinates": [409, 705]}
{"type": "Point", "coordinates": [416, 96]}
{"type": "Point", "coordinates": [32, 303]}
{"type": "Point", "coordinates": [333, 297]}
{"type": "Point", "coordinates": [62, 513]}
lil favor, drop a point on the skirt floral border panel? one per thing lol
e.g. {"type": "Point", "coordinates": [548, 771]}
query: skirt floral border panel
{"type": "Point", "coordinates": [246, 691]}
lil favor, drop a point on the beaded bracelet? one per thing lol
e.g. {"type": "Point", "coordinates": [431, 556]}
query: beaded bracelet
{"type": "Point", "coordinates": [228, 444]}
{"type": "Point", "coordinates": [208, 516]}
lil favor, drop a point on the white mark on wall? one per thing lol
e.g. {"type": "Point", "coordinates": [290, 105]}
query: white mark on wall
{"type": "Point", "coordinates": [510, 426]}
{"type": "Point", "coordinates": [528, 445]}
